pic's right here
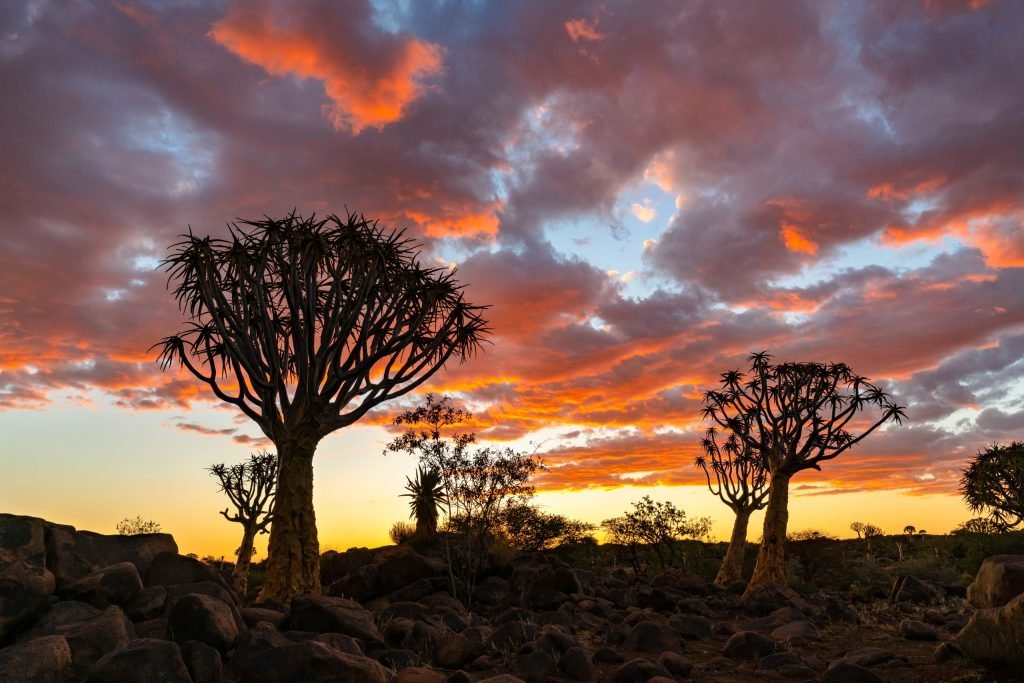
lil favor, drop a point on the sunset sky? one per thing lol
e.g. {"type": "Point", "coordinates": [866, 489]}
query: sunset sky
{"type": "Point", "coordinates": [643, 192]}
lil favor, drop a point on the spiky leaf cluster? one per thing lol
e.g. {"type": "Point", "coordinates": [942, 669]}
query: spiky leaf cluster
{"type": "Point", "coordinates": [994, 481]}
{"type": "Point", "coordinates": [733, 472]}
{"type": "Point", "coordinates": [250, 486]}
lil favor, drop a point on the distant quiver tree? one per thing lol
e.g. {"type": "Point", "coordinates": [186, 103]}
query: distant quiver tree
{"type": "Point", "coordinates": [994, 482]}
{"type": "Point", "coordinates": [795, 416]}
{"type": "Point", "coordinates": [305, 324]}
{"type": "Point", "coordinates": [427, 494]}
{"type": "Point", "coordinates": [250, 486]}
{"type": "Point", "coordinates": [737, 477]}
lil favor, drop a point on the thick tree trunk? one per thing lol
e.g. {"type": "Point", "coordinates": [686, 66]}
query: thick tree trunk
{"type": "Point", "coordinates": [240, 574]}
{"type": "Point", "coordinates": [732, 565]}
{"type": "Point", "coordinates": [771, 557]}
{"type": "Point", "coordinates": [293, 554]}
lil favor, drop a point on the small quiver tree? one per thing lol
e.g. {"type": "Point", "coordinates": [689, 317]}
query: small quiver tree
{"type": "Point", "coordinates": [739, 481]}
{"type": "Point", "coordinates": [250, 486]}
{"type": "Point", "coordinates": [796, 416]}
{"type": "Point", "coordinates": [304, 325]}
{"type": "Point", "coordinates": [994, 482]}
{"type": "Point", "coordinates": [427, 494]}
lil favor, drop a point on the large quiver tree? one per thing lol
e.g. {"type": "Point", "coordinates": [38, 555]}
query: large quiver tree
{"type": "Point", "coordinates": [304, 325]}
{"type": "Point", "coordinates": [795, 416]}
{"type": "Point", "coordinates": [994, 481]}
{"type": "Point", "coordinates": [738, 478]}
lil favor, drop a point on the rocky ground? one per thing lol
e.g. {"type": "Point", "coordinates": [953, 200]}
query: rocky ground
{"type": "Point", "coordinates": [78, 606]}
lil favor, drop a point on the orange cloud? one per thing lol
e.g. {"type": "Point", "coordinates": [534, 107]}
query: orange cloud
{"type": "Point", "coordinates": [365, 92]}
{"type": "Point", "coordinates": [583, 29]}
{"type": "Point", "coordinates": [461, 222]}
{"type": "Point", "coordinates": [795, 241]}
{"type": "Point", "coordinates": [889, 191]}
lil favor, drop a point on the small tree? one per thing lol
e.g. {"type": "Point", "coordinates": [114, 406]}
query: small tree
{"type": "Point", "coordinates": [305, 325]}
{"type": "Point", "coordinates": [250, 486]}
{"type": "Point", "coordinates": [994, 481]}
{"type": "Point", "coordinates": [872, 531]}
{"type": "Point", "coordinates": [738, 479]}
{"type": "Point", "coordinates": [530, 529]}
{"type": "Point", "coordinates": [978, 525]}
{"type": "Point", "coordinates": [137, 526]}
{"type": "Point", "coordinates": [909, 530]}
{"type": "Point", "coordinates": [653, 527]}
{"type": "Point", "coordinates": [795, 416]}
{"type": "Point", "coordinates": [857, 528]}
{"type": "Point", "coordinates": [428, 495]}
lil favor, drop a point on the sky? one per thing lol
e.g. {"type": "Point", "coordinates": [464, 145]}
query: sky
{"type": "Point", "coordinates": [643, 193]}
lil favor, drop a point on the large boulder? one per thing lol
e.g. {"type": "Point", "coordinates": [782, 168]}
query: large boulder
{"type": "Point", "coordinates": [995, 635]}
{"type": "Point", "coordinates": [913, 589]}
{"type": "Point", "coordinates": [405, 566]}
{"type": "Point", "coordinates": [145, 660]}
{"type": "Point", "coordinates": [999, 580]}
{"type": "Point", "coordinates": [24, 595]}
{"type": "Point", "coordinates": [335, 565]}
{"type": "Point", "coordinates": [322, 614]}
{"type": "Point", "coordinates": [113, 585]}
{"type": "Point", "coordinates": [171, 569]}
{"type": "Point", "coordinates": [43, 660]}
{"type": "Point", "coordinates": [22, 539]}
{"type": "Point", "coordinates": [89, 632]}
{"type": "Point", "coordinates": [203, 618]}
{"type": "Point", "coordinates": [312, 662]}
{"type": "Point", "coordinates": [73, 554]}
{"type": "Point", "coordinates": [769, 597]}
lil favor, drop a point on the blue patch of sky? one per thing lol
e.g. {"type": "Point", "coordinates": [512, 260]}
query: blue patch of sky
{"type": "Point", "coordinates": [167, 133]}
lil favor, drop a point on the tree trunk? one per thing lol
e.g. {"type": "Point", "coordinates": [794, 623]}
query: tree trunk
{"type": "Point", "coordinates": [240, 574]}
{"type": "Point", "coordinates": [293, 554]}
{"type": "Point", "coordinates": [771, 558]}
{"type": "Point", "coordinates": [732, 565]}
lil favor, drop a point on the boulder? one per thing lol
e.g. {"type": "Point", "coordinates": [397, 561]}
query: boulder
{"type": "Point", "coordinates": [999, 580]}
{"type": "Point", "coordinates": [796, 632]}
{"type": "Point", "coordinates": [254, 615]}
{"type": "Point", "coordinates": [913, 590]}
{"type": "Point", "coordinates": [203, 662]}
{"type": "Point", "coordinates": [171, 569]}
{"type": "Point", "coordinates": [512, 635]}
{"type": "Point", "coordinates": [341, 643]}
{"type": "Point", "coordinates": [113, 585]}
{"type": "Point", "coordinates": [868, 656]}
{"type": "Point", "coordinates": [918, 630]}
{"type": "Point", "coordinates": [649, 636]}
{"type": "Point", "coordinates": [322, 614]}
{"type": "Point", "coordinates": [147, 604]}
{"type": "Point", "coordinates": [691, 626]}
{"type": "Point", "coordinates": [416, 674]}
{"type": "Point", "coordinates": [72, 554]}
{"type": "Point", "coordinates": [210, 589]}
{"type": "Point", "coordinates": [22, 539]}
{"type": "Point", "coordinates": [24, 595]}
{"type": "Point", "coordinates": [89, 632]}
{"type": "Point", "coordinates": [43, 660]}
{"type": "Point", "coordinates": [362, 584]}
{"type": "Point", "coordinates": [456, 651]}
{"type": "Point", "coordinates": [995, 635]}
{"type": "Point", "coordinates": [145, 660]}
{"type": "Point", "coordinates": [576, 665]}
{"type": "Point", "coordinates": [335, 565]}
{"type": "Point", "coordinates": [405, 567]}
{"type": "Point", "coordinates": [842, 671]}
{"type": "Point", "coordinates": [676, 664]}
{"type": "Point", "coordinates": [535, 667]}
{"type": "Point", "coordinates": [312, 662]}
{"type": "Point", "coordinates": [639, 671]}
{"type": "Point", "coordinates": [203, 618]}
{"type": "Point", "coordinates": [750, 645]}
{"type": "Point", "coordinates": [769, 597]}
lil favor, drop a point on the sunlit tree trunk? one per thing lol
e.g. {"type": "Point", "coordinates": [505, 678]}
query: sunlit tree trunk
{"type": "Point", "coordinates": [771, 558]}
{"type": "Point", "coordinates": [240, 574]}
{"type": "Point", "coordinates": [732, 564]}
{"type": "Point", "coordinates": [293, 553]}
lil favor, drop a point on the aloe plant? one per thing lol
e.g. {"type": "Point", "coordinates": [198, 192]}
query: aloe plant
{"type": "Point", "coordinates": [427, 494]}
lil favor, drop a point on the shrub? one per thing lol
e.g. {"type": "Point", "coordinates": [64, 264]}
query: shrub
{"type": "Point", "coordinates": [134, 527]}
{"type": "Point", "coordinates": [401, 532]}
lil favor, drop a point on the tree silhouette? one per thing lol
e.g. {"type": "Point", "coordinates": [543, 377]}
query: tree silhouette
{"type": "Point", "coordinates": [250, 486]}
{"type": "Point", "coordinates": [909, 530]}
{"type": "Point", "coordinates": [134, 527]}
{"type": "Point", "coordinates": [994, 481]}
{"type": "Point", "coordinates": [428, 494]}
{"type": "Point", "coordinates": [653, 526]}
{"type": "Point", "coordinates": [794, 416]}
{"type": "Point", "coordinates": [857, 528]}
{"type": "Point", "coordinates": [304, 325]}
{"type": "Point", "coordinates": [739, 480]}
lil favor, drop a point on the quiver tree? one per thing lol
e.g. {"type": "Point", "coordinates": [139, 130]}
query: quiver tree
{"type": "Point", "coordinates": [795, 416]}
{"type": "Point", "coordinates": [304, 325]}
{"type": "Point", "coordinates": [994, 481]}
{"type": "Point", "coordinates": [427, 495]}
{"type": "Point", "coordinates": [250, 486]}
{"type": "Point", "coordinates": [738, 479]}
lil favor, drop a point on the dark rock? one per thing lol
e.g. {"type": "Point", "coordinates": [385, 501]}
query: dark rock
{"type": "Point", "coordinates": [769, 597]}
{"type": "Point", "coordinates": [722, 628]}
{"type": "Point", "coordinates": [341, 643]}
{"type": "Point", "coordinates": [779, 617]}
{"type": "Point", "coordinates": [680, 580]}
{"type": "Point", "coordinates": [406, 567]}
{"type": "Point", "coordinates": [203, 662]}
{"type": "Point", "coordinates": [691, 626]}
{"type": "Point", "coordinates": [91, 633]}
{"type": "Point", "coordinates": [207, 588]}
{"type": "Point", "coordinates": [171, 569]}
{"type": "Point", "coordinates": [32, 577]}
{"type": "Point", "coordinates": [576, 665]}
{"type": "Point", "coordinates": [43, 660]}
{"type": "Point", "coordinates": [655, 598]}
{"type": "Point", "coordinates": [639, 671]}
{"type": "Point", "coordinates": [202, 618]}
{"type": "Point", "coordinates": [415, 674]}
{"type": "Point", "coordinates": [323, 614]}
{"type": "Point", "coordinates": [451, 619]}
{"type": "Point", "coordinates": [918, 630]}
{"type": "Point", "coordinates": [797, 672]}
{"type": "Point", "coordinates": [492, 592]}
{"type": "Point", "coordinates": [649, 636]}
{"type": "Point", "coordinates": [837, 612]}
{"type": "Point", "coordinates": [417, 590]}
{"type": "Point", "coordinates": [360, 584]}
{"type": "Point", "coordinates": [457, 651]}
{"type": "Point", "coordinates": [512, 635]}
{"type": "Point", "coordinates": [842, 671]}
{"type": "Point", "coordinates": [335, 565]}
{"type": "Point", "coordinates": [24, 595]}
{"type": "Point", "coordinates": [153, 628]}
{"type": "Point", "coordinates": [254, 615]}
{"type": "Point", "coordinates": [259, 639]}
{"type": "Point", "coordinates": [145, 660]}
{"type": "Point", "coordinates": [396, 657]}
{"type": "Point", "coordinates": [22, 539]}
{"type": "Point", "coordinates": [312, 662]}
{"type": "Point", "coordinates": [779, 660]}
{"type": "Point", "coordinates": [148, 603]}
{"type": "Point", "coordinates": [868, 656]}
{"type": "Point", "coordinates": [676, 664]}
{"type": "Point", "coordinates": [460, 677]}
{"type": "Point", "coordinates": [999, 580]}
{"type": "Point", "coordinates": [535, 667]}
{"type": "Point", "coordinates": [409, 610]}
{"type": "Point", "coordinates": [502, 678]}
{"type": "Point", "coordinates": [554, 639]}
{"type": "Point", "coordinates": [910, 589]}
{"type": "Point", "coordinates": [694, 606]}
{"type": "Point", "coordinates": [945, 652]}
{"type": "Point", "coordinates": [796, 633]}
{"type": "Point", "coordinates": [751, 645]}
{"type": "Point", "coordinates": [995, 635]}
{"type": "Point", "coordinates": [73, 554]}
{"type": "Point", "coordinates": [606, 655]}
{"type": "Point", "coordinates": [113, 585]}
